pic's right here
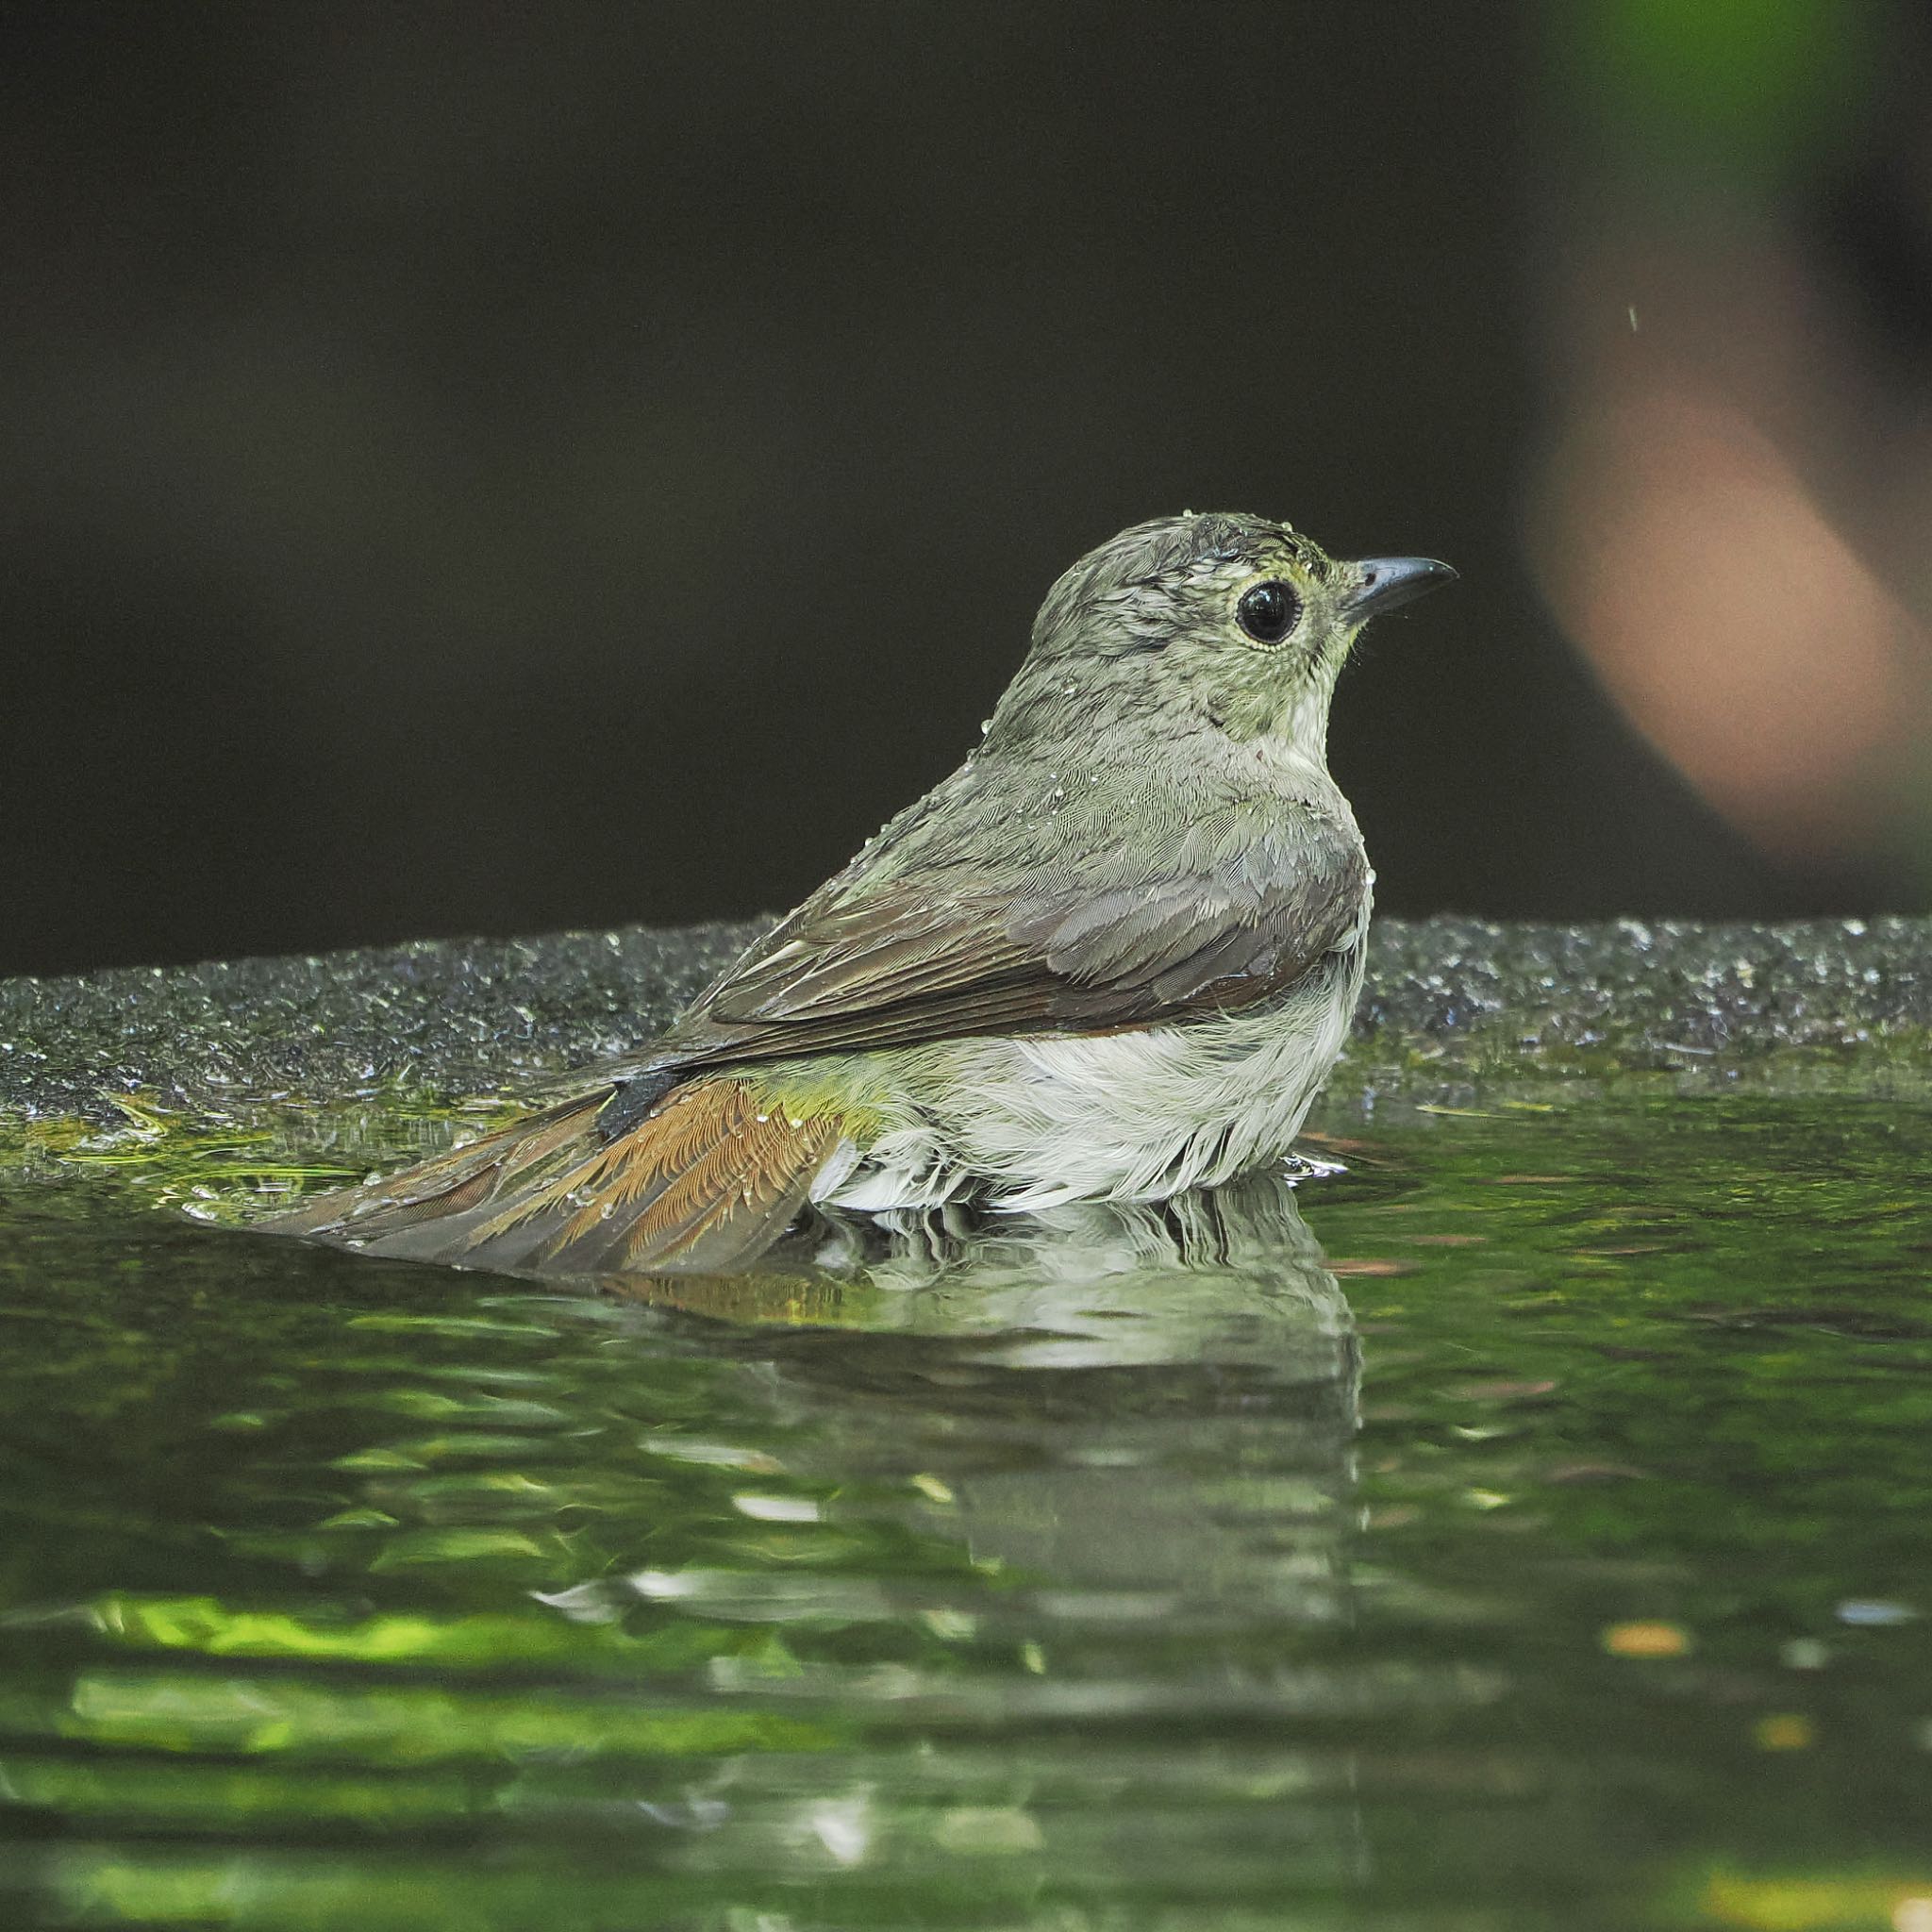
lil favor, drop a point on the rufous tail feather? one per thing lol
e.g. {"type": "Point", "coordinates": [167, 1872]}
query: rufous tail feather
{"type": "Point", "coordinates": [703, 1183]}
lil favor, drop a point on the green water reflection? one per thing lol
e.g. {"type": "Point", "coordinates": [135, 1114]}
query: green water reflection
{"type": "Point", "coordinates": [1536, 1536]}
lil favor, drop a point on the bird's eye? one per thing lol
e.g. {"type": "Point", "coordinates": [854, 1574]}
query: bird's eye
{"type": "Point", "coordinates": [1268, 612]}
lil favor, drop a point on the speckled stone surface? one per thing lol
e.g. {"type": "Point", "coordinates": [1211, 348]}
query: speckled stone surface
{"type": "Point", "coordinates": [452, 1016]}
{"type": "Point", "coordinates": [1450, 1002]}
{"type": "Point", "coordinates": [1631, 996]}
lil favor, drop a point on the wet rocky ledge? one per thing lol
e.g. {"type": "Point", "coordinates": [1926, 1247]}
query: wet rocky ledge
{"type": "Point", "coordinates": [1454, 1008]}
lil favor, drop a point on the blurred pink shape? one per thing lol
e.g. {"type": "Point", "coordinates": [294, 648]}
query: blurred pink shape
{"type": "Point", "coordinates": [1742, 635]}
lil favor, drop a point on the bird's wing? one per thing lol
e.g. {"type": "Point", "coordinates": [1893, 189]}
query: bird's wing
{"type": "Point", "coordinates": [939, 952]}
{"type": "Point", "coordinates": [623, 1173]}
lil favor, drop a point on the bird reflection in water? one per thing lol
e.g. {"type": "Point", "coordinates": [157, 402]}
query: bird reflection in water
{"type": "Point", "coordinates": [1135, 1426]}
{"type": "Point", "coordinates": [983, 1561]}
{"type": "Point", "coordinates": [1231, 1273]}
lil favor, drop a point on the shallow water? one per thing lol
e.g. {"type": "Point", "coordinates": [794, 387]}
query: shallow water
{"type": "Point", "coordinates": [1532, 1527]}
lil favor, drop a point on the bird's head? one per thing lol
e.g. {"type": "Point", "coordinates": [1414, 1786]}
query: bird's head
{"type": "Point", "coordinates": [1225, 621]}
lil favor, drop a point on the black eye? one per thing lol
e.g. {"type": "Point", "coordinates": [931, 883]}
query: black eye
{"type": "Point", "coordinates": [1268, 612]}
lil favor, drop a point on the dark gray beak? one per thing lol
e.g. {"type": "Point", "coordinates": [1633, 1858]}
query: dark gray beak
{"type": "Point", "coordinates": [1386, 583]}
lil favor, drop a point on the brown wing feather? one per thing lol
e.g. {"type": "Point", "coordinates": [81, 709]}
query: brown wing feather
{"type": "Point", "coordinates": [466, 1177]}
{"type": "Point", "coordinates": [928, 956]}
{"type": "Point", "coordinates": [904, 942]}
{"type": "Point", "coordinates": [705, 1182]}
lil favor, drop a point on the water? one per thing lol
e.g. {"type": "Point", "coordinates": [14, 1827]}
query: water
{"type": "Point", "coordinates": [1532, 1530]}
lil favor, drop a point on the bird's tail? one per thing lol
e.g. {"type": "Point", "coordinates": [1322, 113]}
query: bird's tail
{"type": "Point", "coordinates": [702, 1184]}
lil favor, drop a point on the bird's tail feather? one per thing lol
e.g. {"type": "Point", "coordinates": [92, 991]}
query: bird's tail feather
{"type": "Point", "coordinates": [702, 1184]}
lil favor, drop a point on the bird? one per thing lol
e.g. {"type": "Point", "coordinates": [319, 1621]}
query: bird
{"type": "Point", "coordinates": [1111, 958]}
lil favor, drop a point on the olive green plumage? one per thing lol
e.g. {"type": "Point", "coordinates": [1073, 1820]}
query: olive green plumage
{"type": "Point", "coordinates": [1110, 957]}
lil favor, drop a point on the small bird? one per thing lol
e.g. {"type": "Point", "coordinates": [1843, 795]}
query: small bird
{"type": "Point", "coordinates": [1111, 958]}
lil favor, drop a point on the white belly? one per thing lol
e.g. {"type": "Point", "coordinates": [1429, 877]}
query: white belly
{"type": "Point", "coordinates": [1034, 1122]}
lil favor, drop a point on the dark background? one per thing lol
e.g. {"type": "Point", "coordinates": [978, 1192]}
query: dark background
{"type": "Point", "coordinates": [482, 468]}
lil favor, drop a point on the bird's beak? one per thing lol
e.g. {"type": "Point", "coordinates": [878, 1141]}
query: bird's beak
{"type": "Point", "coordinates": [1386, 583]}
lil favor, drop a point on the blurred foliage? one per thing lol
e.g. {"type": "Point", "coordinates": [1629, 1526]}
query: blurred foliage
{"type": "Point", "coordinates": [1757, 88]}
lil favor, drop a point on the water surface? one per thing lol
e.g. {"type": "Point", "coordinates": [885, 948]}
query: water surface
{"type": "Point", "coordinates": [1532, 1527]}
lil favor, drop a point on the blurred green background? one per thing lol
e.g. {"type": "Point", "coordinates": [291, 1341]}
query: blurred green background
{"type": "Point", "coordinates": [490, 468]}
